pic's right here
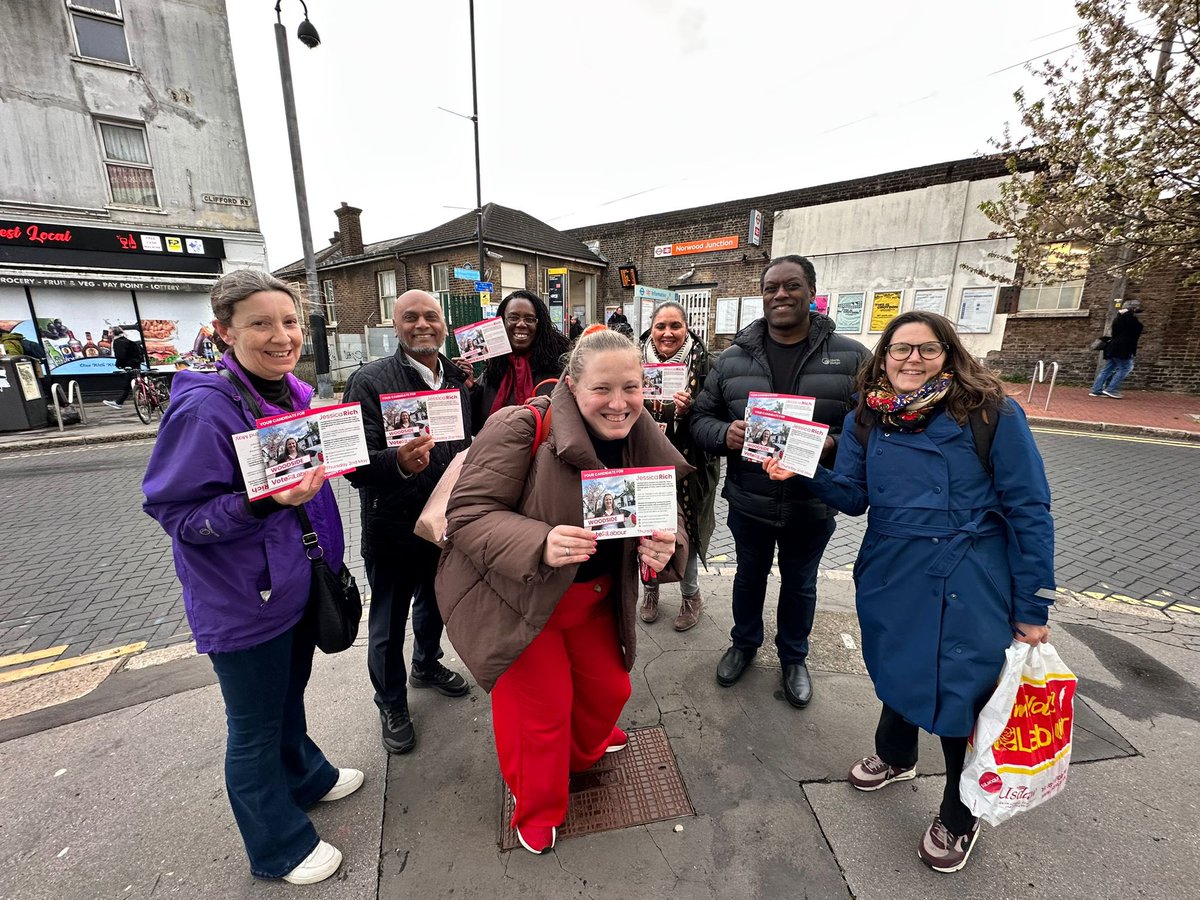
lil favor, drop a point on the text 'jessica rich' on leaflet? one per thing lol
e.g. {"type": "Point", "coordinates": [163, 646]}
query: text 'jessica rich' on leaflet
{"type": "Point", "coordinates": [796, 443]}
{"type": "Point", "coordinates": [277, 452]}
{"type": "Point", "coordinates": [411, 414]}
{"type": "Point", "coordinates": [662, 381]}
{"type": "Point", "coordinates": [621, 503]}
{"type": "Point", "coordinates": [482, 340]}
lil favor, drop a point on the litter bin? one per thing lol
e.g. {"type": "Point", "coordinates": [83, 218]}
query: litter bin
{"type": "Point", "coordinates": [22, 403]}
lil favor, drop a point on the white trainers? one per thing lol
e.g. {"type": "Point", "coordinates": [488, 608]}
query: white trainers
{"type": "Point", "coordinates": [114, 404]}
{"type": "Point", "coordinates": [349, 781]}
{"type": "Point", "coordinates": [317, 866]}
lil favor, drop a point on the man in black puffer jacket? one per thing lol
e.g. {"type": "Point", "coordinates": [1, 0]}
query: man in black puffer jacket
{"type": "Point", "coordinates": [788, 351]}
{"type": "Point", "coordinates": [393, 489]}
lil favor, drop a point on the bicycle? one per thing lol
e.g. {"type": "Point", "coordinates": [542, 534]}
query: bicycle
{"type": "Point", "coordinates": [150, 393]}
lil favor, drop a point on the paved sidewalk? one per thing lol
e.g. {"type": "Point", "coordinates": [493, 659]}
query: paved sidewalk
{"type": "Point", "coordinates": [1138, 412]}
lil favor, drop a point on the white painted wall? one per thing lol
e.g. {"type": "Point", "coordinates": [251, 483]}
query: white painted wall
{"type": "Point", "coordinates": [902, 241]}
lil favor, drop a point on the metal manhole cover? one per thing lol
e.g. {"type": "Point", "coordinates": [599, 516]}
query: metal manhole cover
{"type": "Point", "coordinates": [634, 786]}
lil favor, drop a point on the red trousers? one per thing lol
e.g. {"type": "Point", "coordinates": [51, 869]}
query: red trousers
{"type": "Point", "coordinates": [554, 709]}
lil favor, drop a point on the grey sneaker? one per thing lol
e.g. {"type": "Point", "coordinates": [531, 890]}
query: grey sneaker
{"type": "Point", "coordinates": [946, 852]}
{"type": "Point", "coordinates": [1115, 395]}
{"type": "Point", "coordinates": [113, 404]}
{"type": "Point", "coordinates": [873, 773]}
{"type": "Point", "coordinates": [648, 611]}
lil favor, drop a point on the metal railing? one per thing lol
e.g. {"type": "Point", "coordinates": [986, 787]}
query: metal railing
{"type": "Point", "coordinates": [73, 397]}
{"type": "Point", "coordinates": [1039, 375]}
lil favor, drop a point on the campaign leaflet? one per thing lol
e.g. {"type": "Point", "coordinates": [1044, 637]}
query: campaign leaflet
{"type": "Point", "coordinates": [620, 503]}
{"type": "Point", "coordinates": [411, 414]}
{"type": "Point", "coordinates": [796, 443]}
{"type": "Point", "coordinates": [482, 340]}
{"type": "Point", "coordinates": [662, 381]}
{"type": "Point", "coordinates": [798, 407]}
{"type": "Point", "coordinates": [276, 454]}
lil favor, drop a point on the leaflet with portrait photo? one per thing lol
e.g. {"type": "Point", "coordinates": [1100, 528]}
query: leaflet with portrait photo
{"type": "Point", "coordinates": [410, 414]}
{"type": "Point", "coordinates": [796, 443]}
{"type": "Point", "coordinates": [662, 381]}
{"type": "Point", "coordinates": [291, 443]}
{"type": "Point", "coordinates": [482, 340]}
{"type": "Point", "coordinates": [794, 405]}
{"type": "Point", "coordinates": [619, 503]}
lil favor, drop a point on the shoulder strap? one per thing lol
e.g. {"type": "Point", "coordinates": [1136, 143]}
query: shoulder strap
{"type": "Point", "coordinates": [542, 426]}
{"type": "Point", "coordinates": [983, 429]}
{"type": "Point", "coordinates": [862, 431]}
{"type": "Point", "coordinates": [247, 397]}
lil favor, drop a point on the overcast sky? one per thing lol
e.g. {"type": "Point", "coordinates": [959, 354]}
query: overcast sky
{"type": "Point", "coordinates": [594, 112]}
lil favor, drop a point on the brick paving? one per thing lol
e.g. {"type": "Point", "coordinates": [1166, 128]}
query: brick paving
{"type": "Point", "coordinates": [85, 567]}
{"type": "Point", "coordinates": [1147, 409]}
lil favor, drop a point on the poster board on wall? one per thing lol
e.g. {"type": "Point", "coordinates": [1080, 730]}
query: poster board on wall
{"type": "Point", "coordinates": [885, 306]}
{"type": "Point", "coordinates": [930, 300]}
{"type": "Point", "coordinates": [976, 308]}
{"type": "Point", "coordinates": [848, 312]}
{"type": "Point", "coordinates": [727, 314]}
{"type": "Point", "coordinates": [752, 308]}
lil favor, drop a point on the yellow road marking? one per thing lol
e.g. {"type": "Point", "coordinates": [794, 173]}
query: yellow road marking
{"type": "Point", "coordinates": [1107, 436]}
{"type": "Point", "coordinates": [60, 664]}
{"type": "Point", "coordinates": [18, 658]}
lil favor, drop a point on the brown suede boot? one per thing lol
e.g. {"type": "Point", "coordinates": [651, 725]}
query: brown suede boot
{"type": "Point", "coordinates": [689, 612]}
{"type": "Point", "coordinates": [648, 611]}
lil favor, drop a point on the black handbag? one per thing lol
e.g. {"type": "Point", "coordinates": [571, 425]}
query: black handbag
{"type": "Point", "coordinates": [334, 605]}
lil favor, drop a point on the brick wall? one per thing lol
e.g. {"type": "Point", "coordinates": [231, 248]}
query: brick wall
{"type": "Point", "coordinates": [736, 272]}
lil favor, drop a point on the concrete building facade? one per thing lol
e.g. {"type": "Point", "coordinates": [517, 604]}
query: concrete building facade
{"type": "Point", "coordinates": [125, 186]}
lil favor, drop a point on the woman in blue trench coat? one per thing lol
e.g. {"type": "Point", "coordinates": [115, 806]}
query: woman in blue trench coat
{"type": "Point", "coordinates": [955, 561]}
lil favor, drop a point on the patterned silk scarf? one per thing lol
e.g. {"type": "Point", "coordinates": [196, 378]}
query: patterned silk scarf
{"type": "Point", "coordinates": [908, 412]}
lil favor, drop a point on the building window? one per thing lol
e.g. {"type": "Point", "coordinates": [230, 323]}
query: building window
{"type": "Point", "coordinates": [99, 30]}
{"type": "Point", "coordinates": [512, 278]}
{"type": "Point", "coordinates": [1064, 294]}
{"type": "Point", "coordinates": [439, 274]}
{"type": "Point", "coordinates": [127, 159]}
{"type": "Point", "coordinates": [330, 306]}
{"type": "Point", "coordinates": [387, 294]}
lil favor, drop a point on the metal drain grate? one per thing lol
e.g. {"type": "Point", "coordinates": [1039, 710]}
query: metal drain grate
{"type": "Point", "coordinates": [634, 786]}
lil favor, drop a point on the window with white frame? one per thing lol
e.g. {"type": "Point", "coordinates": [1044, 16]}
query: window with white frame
{"type": "Point", "coordinates": [99, 30]}
{"type": "Point", "coordinates": [330, 305]}
{"type": "Point", "coordinates": [386, 282]}
{"type": "Point", "coordinates": [512, 278]}
{"type": "Point", "coordinates": [1057, 295]}
{"type": "Point", "coordinates": [439, 275]}
{"type": "Point", "coordinates": [127, 162]}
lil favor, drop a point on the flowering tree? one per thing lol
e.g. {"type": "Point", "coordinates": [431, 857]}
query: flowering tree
{"type": "Point", "coordinates": [1108, 161]}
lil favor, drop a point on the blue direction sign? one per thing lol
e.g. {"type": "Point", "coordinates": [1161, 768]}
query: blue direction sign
{"type": "Point", "coordinates": [483, 286]}
{"type": "Point", "coordinates": [466, 274]}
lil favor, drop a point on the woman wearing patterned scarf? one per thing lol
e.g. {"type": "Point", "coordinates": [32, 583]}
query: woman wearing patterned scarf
{"type": "Point", "coordinates": [668, 340]}
{"type": "Point", "coordinates": [956, 560]}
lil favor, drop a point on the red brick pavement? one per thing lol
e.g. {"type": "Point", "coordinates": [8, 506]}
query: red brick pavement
{"type": "Point", "coordinates": [1146, 409]}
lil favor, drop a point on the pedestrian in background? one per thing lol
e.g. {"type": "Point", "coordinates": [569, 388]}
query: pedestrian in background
{"type": "Point", "coordinates": [576, 329]}
{"type": "Point", "coordinates": [537, 354]}
{"type": "Point", "coordinates": [955, 561]}
{"type": "Point", "coordinates": [540, 611]}
{"type": "Point", "coordinates": [669, 340]}
{"type": "Point", "coordinates": [1119, 351]}
{"type": "Point", "coordinates": [393, 489]}
{"type": "Point", "coordinates": [127, 354]}
{"type": "Point", "coordinates": [789, 351]}
{"type": "Point", "coordinates": [245, 574]}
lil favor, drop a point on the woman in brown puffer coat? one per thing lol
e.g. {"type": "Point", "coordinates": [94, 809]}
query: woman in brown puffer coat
{"type": "Point", "coordinates": [540, 611]}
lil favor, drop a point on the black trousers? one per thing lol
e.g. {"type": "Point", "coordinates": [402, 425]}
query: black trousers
{"type": "Point", "coordinates": [401, 579]}
{"type": "Point", "coordinates": [896, 744]}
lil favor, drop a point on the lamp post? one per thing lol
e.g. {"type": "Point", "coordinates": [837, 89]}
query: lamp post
{"type": "Point", "coordinates": [316, 320]}
{"type": "Point", "coordinates": [475, 121]}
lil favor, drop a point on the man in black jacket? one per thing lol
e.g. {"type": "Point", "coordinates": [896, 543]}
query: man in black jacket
{"type": "Point", "coordinates": [393, 489]}
{"type": "Point", "coordinates": [127, 355]}
{"type": "Point", "coordinates": [1119, 351]}
{"type": "Point", "coordinates": [788, 351]}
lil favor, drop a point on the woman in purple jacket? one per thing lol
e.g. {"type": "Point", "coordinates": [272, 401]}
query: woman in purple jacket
{"type": "Point", "coordinates": [246, 577]}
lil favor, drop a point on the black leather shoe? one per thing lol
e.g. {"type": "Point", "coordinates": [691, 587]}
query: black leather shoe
{"type": "Point", "coordinates": [797, 685]}
{"type": "Point", "coordinates": [440, 679]}
{"type": "Point", "coordinates": [732, 665]}
{"type": "Point", "coordinates": [399, 736]}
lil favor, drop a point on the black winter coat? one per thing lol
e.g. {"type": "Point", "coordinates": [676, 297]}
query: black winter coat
{"type": "Point", "coordinates": [127, 354]}
{"type": "Point", "coordinates": [1126, 330]}
{"type": "Point", "coordinates": [828, 374]}
{"type": "Point", "coordinates": [390, 501]}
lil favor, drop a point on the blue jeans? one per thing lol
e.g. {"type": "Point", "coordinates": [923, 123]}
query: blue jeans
{"type": "Point", "coordinates": [273, 770]}
{"type": "Point", "coordinates": [1112, 373]}
{"type": "Point", "coordinates": [800, 548]}
{"type": "Point", "coordinates": [399, 580]}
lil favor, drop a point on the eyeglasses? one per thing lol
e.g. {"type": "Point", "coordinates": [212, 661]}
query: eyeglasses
{"type": "Point", "coordinates": [521, 320]}
{"type": "Point", "coordinates": [928, 350]}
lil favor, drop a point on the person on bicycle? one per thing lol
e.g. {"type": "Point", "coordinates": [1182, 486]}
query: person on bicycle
{"type": "Point", "coordinates": [128, 355]}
